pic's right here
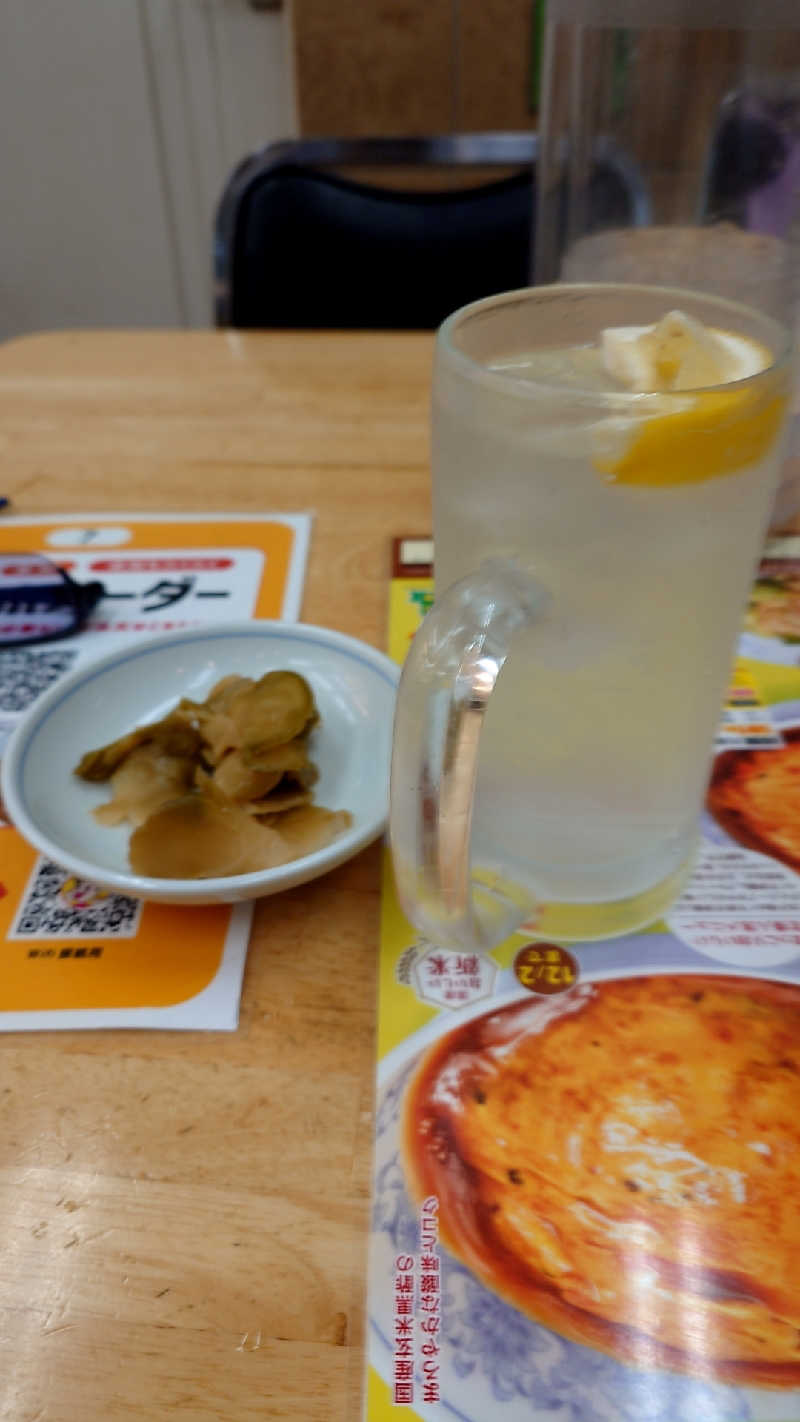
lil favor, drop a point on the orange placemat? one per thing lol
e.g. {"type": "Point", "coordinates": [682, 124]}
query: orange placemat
{"type": "Point", "coordinates": [73, 955]}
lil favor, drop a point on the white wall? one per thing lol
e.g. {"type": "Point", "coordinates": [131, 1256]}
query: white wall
{"type": "Point", "coordinates": [121, 120]}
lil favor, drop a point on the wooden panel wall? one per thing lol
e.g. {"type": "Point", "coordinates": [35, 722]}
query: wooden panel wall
{"type": "Point", "coordinates": [412, 66]}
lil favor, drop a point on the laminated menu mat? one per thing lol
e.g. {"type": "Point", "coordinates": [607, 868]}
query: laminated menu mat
{"type": "Point", "coordinates": [587, 1156]}
{"type": "Point", "coordinates": [73, 955]}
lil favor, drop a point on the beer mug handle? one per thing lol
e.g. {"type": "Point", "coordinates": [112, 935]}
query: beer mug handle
{"type": "Point", "coordinates": [449, 674]}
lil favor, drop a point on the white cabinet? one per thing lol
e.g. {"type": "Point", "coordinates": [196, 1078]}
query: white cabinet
{"type": "Point", "coordinates": [121, 122]}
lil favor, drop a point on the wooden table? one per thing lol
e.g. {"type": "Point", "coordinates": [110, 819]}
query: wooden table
{"type": "Point", "coordinates": [183, 1217]}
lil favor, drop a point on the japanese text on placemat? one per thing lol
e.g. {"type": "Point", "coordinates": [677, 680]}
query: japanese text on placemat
{"type": "Point", "coordinates": [430, 1299]}
{"type": "Point", "coordinates": [404, 1330]}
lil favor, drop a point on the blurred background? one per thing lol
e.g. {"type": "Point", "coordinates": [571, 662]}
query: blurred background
{"type": "Point", "coordinates": [122, 121]}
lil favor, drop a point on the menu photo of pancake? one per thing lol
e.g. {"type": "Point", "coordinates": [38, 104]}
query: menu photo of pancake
{"type": "Point", "coordinates": [621, 1163]}
{"type": "Point", "coordinates": [754, 796]}
{"type": "Point", "coordinates": [773, 608]}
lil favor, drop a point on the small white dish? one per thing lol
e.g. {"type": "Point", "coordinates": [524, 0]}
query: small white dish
{"type": "Point", "coordinates": [354, 687]}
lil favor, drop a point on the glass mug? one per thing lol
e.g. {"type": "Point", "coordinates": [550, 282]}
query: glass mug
{"type": "Point", "coordinates": [593, 554]}
{"type": "Point", "coordinates": [669, 153]}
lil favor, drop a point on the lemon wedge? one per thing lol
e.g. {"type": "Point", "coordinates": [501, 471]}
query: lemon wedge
{"type": "Point", "coordinates": [710, 432]}
{"type": "Point", "coordinates": [678, 353]}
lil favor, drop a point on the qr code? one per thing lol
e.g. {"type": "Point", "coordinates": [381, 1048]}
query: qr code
{"type": "Point", "coordinates": [59, 905]}
{"type": "Point", "coordinates": [25, 673]}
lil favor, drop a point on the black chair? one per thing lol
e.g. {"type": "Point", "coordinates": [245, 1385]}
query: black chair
{"type": "Point", "coordinates": [299, 243]}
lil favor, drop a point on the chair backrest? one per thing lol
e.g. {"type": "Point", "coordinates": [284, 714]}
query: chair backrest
{"type": "Point", "coordinates": [301, 243]}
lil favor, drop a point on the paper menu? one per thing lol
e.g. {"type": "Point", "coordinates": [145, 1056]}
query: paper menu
{"type": "Point", "coordinates": [72, 955]}
{"type": "Point", "coordinates": [450, 1332]}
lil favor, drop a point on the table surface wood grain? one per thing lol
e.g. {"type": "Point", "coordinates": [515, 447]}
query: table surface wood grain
{"type": "Point", "coordinates": [183, 1216]}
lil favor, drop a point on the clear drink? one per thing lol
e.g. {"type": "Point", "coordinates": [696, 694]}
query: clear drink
{"type": "Point", "coordinates": [634, 520]}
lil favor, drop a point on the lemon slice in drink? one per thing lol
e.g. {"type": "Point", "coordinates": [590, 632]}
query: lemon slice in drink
{"type": "Point", "coordinates": [710, 432]}
{"type": "Point", "coordinates": [678, 353]}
